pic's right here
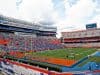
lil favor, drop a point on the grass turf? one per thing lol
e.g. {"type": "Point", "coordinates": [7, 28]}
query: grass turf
{"type": "Point", "coordinates": [69, 53]}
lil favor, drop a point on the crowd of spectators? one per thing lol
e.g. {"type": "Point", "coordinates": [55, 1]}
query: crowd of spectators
{"type": "Point", "coordinates": [26, 43]}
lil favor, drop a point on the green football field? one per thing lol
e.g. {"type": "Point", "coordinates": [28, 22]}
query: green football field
{"type": "Point", "coordinates": [68, 53]}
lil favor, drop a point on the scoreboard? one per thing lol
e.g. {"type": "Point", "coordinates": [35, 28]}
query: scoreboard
{"type": "Point", "coordinates": [91, 26]}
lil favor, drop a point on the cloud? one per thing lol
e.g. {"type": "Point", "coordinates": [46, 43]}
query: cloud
{"type": "Point", "coordinates": [96, 19]}
{"type": "Point", "coordinates": [37, 10]}
{"type": "Point", "coordinates": [79, 14]}
{"type": "Point", "coordinates": [67, 15]}
{"type": "Point", "coordinates": [29, 10]}
{"type": "Point", "coordinates": [59, 7]}
{"type": "Point", "coordinates": [8, 8]}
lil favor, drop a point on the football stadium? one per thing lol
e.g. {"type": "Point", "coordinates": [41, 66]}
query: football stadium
{"type": "Point", "coordinates": [30, 49]}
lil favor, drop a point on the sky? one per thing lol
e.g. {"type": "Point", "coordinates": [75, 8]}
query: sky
{"type": "Point", "coordinates": [66, 15]}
